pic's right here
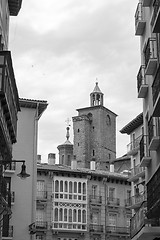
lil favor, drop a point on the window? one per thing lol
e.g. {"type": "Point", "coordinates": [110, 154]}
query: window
{"type": "Point", "coordinates": [69, 160]}
{"type": "Point", "coordinates": [128, 194]}
{"type": "Point", "coordinates": [40, 215]}
{"type": "Point", "coordinates": [79, 187]}
{"type": "Point", "coordinates": [65, 215]}
{"type": "Point", "coordinates": [94, 191]}
{"type": "Point", "coordinates": [111, 194]}
{"type": "Point", "coordinates": [93, 152]}
{"type": "Point", "coordinates": [40, 188]}
{"type": "Point", "coordinates": [62, 159]}
{"type": "Point", "coordinates": [74, 215]}
{"type": "Point", "coordinates": [56, 186]}
{"type": "Point", "coordinates": [128, 217]}
{"type": "Point", "coordinates": [70, 215]}
{"type": "Point", "coordinates": [112, 220]}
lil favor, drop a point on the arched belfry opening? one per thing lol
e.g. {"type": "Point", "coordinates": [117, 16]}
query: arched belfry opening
{"type": "Point", "coordinates": [96, 97]}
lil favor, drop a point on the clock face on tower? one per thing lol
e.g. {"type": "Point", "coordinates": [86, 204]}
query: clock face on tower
{"type": "Point", "coordinates": [108, 120]}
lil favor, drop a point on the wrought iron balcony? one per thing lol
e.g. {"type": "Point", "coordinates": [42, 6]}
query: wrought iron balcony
{"type": "Point", "coordinates": [113, 201]}
{"type": "Point", "coordinates": [155, 22]}
{"type": "Point", "coordinates": [154, 133]}
{"type": "Point", "coordinates": [133, 147]}
{"type": "Point", "coordinates": [143, 226]}
{"type": "Point", "coordinates": [146, 3]}
{"type": "Point", "coordinates": [153, 196]}
{"type": "Point", "coordinates": [95, 199]}
{"type": "Point", "coordinates": [128, 202]}
{"type": "Point", "coordinates": [118, 230]}
{"type": "Point", "coordinates": [7, 232]}
{"type": "Point", "coordinates": [140, 22]}
{"type": "Point", "coordinates": [96, 228]}
{"type": "Point", "coordinates": [156, 94]}
{"type": "Point", "coordinates": [136, 173]}
{"type": "Point", "coordinates": [150, 56]}
{"type": "Point", "coordinates": [41, 225]}
{"type": "Point", "coordinates": [145, 158]}
{"type": "Point", "coordinates": [10, 168]}
{"type": "Point", "coordinates": [142, 86]}
{"type": "Point", "coordinates": [8, 97]}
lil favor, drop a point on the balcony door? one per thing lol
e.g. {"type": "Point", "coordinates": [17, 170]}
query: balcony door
{"type": "Point", "coordinates": [40, 217]}
{"type": "Point", "coordinates": [112, 221]}
{"type": "Point", "coordinates": [40, 189]}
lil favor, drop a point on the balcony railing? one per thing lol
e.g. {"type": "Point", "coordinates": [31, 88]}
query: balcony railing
{"type": "Point", "coordinates": [8, 93]}
{"type": "Point", "coordinates": [95, 199]}
{"type": "Point", "coordinates": [7, 232]}
{"type": "Point", "coordinates": [153, 196]}
{"type": "Point", "coordinates": [138, 199]}
{"type": "Point", "coordinates": [139, 20]}
{"type": "Point", "coordinates": [156, 94]}
{"type": "Point", "coordinates": [118, 230]}
{"type": "Point", "coordinates": [41, 195]}
{"type": "Point", "coordinates": [10, 167]}
{"type": "Point", "coordinates": [133, 147]}
{"type": "Point", "coordinates": [113, 201]}
{"type": "Point", "coordinates": [150, 56]}
{"type": "Point", "coordinates": [41, 225]}
{"type": "Point", "coordinates": [128, 202]}
{"type": "Point", "coordinates": [96, 228]}
{"type": "Point", "coordinates": [154, 133]}
{"type": "Point", "coordinates": [69, 226]}
{"type": "Point", "coordinates": [144, 152]}
{"type": "Point", "coordinates": [139, 220]}
{"type": "Point", "coordinates": [136, 173]}
{"type": "Point", "coordinates": [142, 86]}
{"type": "Point", "coordinates": [155, 22]}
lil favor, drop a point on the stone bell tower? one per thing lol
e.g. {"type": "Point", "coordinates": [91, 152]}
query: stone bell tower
{"type": "Point", "coordinates": [95, 133]}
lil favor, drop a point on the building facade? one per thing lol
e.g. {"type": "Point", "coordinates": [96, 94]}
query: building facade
{"type": "Point", "coordinates": [9, 106]}
{"type": "Point", "coordinates": [146, 221]}
{"type": "Point", "coordinates": [23, 192]}
{"type": "Point", "coordinates": [75, 203]}
{"type": "Point", "coordinates": [95, 133]}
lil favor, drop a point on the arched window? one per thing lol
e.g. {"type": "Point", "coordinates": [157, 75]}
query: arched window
{"type": "Point", "coordinates": [61, 186]}
{"type": "Point", "coordinates": [74, 215]}
{"type": "Point", "coordinates": [60, 214]}
{"type": "Point", "coordinates": [56, 186]}
{"type": "Point", "coordinates": [84, 216]}
{"type": "Point", "coordinates": [79, 187]}
{"type": "Point", "coordinates": [84, 188]}
{"type": "Point", "coordinates": [65, 215]}
{"type": "Point", "coordinates": [70, 215]}
{"type": "Point", "coordinates": [79, 215]}
{"type": "Point", "coordinates": [75, 187]}
{"type": "Point", "coordinates": [70, 187]}
{"type": "Point", "coordinates": [56, 214]}
{"type": "Point", "coordinates": [66, 186]}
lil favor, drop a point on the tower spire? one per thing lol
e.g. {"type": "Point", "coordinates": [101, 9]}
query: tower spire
{"type": "Point", "coordinates": [96, 97]}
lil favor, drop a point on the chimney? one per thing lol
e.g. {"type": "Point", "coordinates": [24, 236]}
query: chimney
{"type": "Point", "coordinates": [74, 163]}
{"type": "Point", "coordinates": [93, 164]}
{"type": "Point", "coordinates": [111, 167]}
{"type": "Point", "coordinates": [51, 158]}
{"type": "Point", "coordinates": [38, 159]}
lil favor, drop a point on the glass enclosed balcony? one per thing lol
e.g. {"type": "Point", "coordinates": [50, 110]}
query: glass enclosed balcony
{"type": "Point", "coordinates": [150, 56]}
{"type": "Point", "coordinates": [140, 23]}
{"type": "Point", "coordinates": [155, 22]}
{"type": "Point", "coordinates": [142, 227]}
{"type": "Point", "coordinates": [154, 133]}
{"type": "Point", "coordinates": [153, 196]}
{"type": "Point", "coordinates": [8, 97]}
{"type": "Point", "coordinates": [133, 147]}
{"type": "Point", "coordinates": [136, 173]}
{"type": "Point", "coordinates": [156, 94]}
{"type": "Point", "coordinates": [142, 86]}
{"type": "Point", "coordinates": [145, 158]}
{"type": "Point", "coordinates": [146, 3]}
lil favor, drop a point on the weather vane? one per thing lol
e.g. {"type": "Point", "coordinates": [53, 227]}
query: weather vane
{"type": "Point", "coordinates": [68, 122]}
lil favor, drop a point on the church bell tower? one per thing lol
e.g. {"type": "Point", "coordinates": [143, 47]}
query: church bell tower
{"type": "Point", "coordinates": [95, 133]}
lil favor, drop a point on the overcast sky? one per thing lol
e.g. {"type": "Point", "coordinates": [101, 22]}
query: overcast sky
{"type": "Point", "coordinates": [60, 48]}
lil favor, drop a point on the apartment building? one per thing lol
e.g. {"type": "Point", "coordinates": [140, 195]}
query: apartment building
{"type": "Point", "coordinates": [79, 203]}
{"type": "Point", "coordinates": [23, 192]}
{"type": "Point", "coordinates": [9, 105]}
{"type": "Point", "coordinates": [146, 221]}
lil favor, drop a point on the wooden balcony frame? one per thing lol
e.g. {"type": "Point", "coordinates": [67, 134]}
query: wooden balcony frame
{"type": "Point", "coordinates": [145, 157]}
{"type": "Point", "coordinates": [133, 147]}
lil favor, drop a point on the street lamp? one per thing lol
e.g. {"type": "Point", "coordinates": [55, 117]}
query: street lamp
{"type": "Point", "coordinates": [22, 174]}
